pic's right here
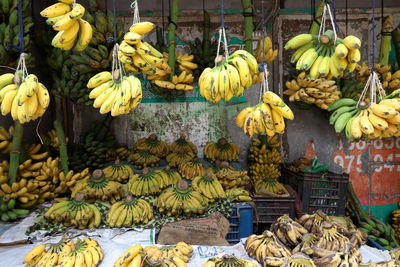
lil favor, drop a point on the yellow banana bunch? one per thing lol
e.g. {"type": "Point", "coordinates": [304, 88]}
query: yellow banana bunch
{"type": "Point", "coordinates": [174, 159]}
{"type": "Point", "coordinates": [129, 212]}
{"type": "Point", "coordinates": [209, 186]}
{"type": "Point", "coordinates": [181, 143]}
{"type": "Point", "coordinates": [238, 195]}
{"type": "Point", "coordinates": [146, 183]}
{"type": "Point", "coordinates": [289, 232]}
{"type": "Point", "coordinates": [27, 100]}
{"type": "Point", "coordinates": [115, 94]}
{"type": "Point", "coordinates": [121, 153]}
{"type": "Point", "coordinates": [5, 139]}
{"type": "Point", "coordinates": [269, 56]}
{"type": "Point", "coordinates": [153, 145]}
{"type": "Point", "coordinates": [118, 171]}
{"type": "Point", "coordinates": [266, 118]}
{"type": "Point", "coordinates": [231, 178]}
{"type": "Point", "coordinates": [222, 151]}
{"type": "Point", "coordinates": [73, 30]}
{"type": "Point", "coordinates": [54, 139]}
{"type": "Point", "coordinates": [191, 169]}
{"type": "Point", "coordinates": [321, 92]}
{"type": "Point", "coordinates": [176, 255]}
{"type": "Point", "coordinates": [68, 181]}
{"type": "Point", "coordinates": [143, 159]}
{"type": "Point", "coordinates": [270, 187]}
{"type": "Point", "coordinates": [169, 176]}
{"type": "Point", "coordinates": [132, 257]}
{"type": "Point", "coordinates": [227, 261]}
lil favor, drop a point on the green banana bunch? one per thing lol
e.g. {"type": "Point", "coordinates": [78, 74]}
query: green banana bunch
{"type": "Point", "coordinates": [8, 210]}
{"type": "Point", "coordinates": [379, 231]}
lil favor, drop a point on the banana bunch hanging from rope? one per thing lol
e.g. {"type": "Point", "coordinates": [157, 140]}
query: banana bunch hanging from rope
{"type": "Point", "coordinates": [269, 56]}
{"type": "Point", "coordinates": [266, 118]}
{"type": "Point", "coordinates": [73, 30]}
{"type": "Point", "coordinates": [153, 145]}
{"type": "Point", "coordinates": [222, 151]}
{"type": "Point", "coordinates": [25, 98]}
{"type": "Point", "coordinates": [321, 92]}
{"type": "Point", "coordinates": [324, 56]}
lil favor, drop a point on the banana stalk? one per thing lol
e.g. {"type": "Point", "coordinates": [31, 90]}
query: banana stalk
{"type": "Point", "coordinates": [314, 29]}
{"type": "Point", "coordinates": [63, 146]}
{"type": "Point", "coordinates": [248, 26]}
{"type": "Point", "coordinates": [396, 42]}
{"type": "Point", "coordinates": [15, 151]}
{"type": "Point", "coordinates": [386, 45]}
{"type": "Point", "coordinates": [171, 36]}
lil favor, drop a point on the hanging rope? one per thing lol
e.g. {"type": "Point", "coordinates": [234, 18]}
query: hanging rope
{"type": "Point", "coordinates": [263, 66]}
{"type": "Point", "coordinates": [327, 11]}
{"type": "Point", "coordinates": [222, 33]}
{"type": "Point", "coordinates": [373, 36]}
{"type": "Point", "coordinates": [19, 48]}
{"type": "Point", "coordinates": [115, 21]}
{"type": "Point", "coordinates": [334, 14]}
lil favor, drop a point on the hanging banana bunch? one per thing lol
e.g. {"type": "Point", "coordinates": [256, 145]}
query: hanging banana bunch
{"type": "Point", "coordinates": [267, 53]}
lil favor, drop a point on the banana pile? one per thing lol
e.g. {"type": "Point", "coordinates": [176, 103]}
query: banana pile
{"type": "Point", "coordinates": [97, 187]}
{"type": "Point", "coordinates": [76, 212]}
{"type": "Point", "coordinates": [269, 55]}
{"type": "Point", "coordinates": [288, 231]}
{"type": "Point", "coordinates": [180, 200]}
{"type": "Point", "coordinates": [26, 99]}
{"type": "Point", "coordinates": [182, 143]}
{"type": "Point", "coordinates": [380, 232]}
{"type": "Point", "coordinates": [229, 261]}
{"type": "Point", "coordinates": [209, 186]}
{"type": "Point", "coordinates": [174, 159]}
{"type": "Point", "coordinates": [115, 94]}
{"type": "Point", "coordinates": [129, 212]}
{"type": "Point", "coordinates": [331, 239]}
{"type": "Point", "coordinates": [270, 187]}
{"type": "Point", "coordinates": [118, 171]}
{"type": "Point", "coordinates": [228, 78]}
{"type": "Point", "coordinates": [121, 153]}
{"type": "Point", "coordinates": [321, 92]}
{"type": "Point", "coordinates": [177, 255]}
{"type": "Point", "coordinates": [307, 241]}
{"type": "Point", "coordinates": [325, 57]}
{"type": "Point", "coordinates": [231, 178]}
{"type": "Point", "coordinates": [191, 169]}
{"type": "Point", "coordinates": [363, 71]}
{"type": "Point", "coordinates": [266, 118]}
{"type": "Point", "coordinates": [222, 151]}
{"type": "Point", "coordinates": [169, 176]}
{"type": "Point", "coordinates": [132, 257]}
{"type": "Point", "coordinates": [34, 151]}
{"type": "Point", "coordinates": [390, 82]}
{"type": "Point", "coordinates": [238, 195]}
{"type": "Point", "coordinates": [143, 159]}
{"type": "Point", "coordinates": [9, 32]}
{"type": "Point", "coordinates": [66, 18]}
{"type": "Point", "coordinates": [147, 183]}
{"type": "Point", "coordinates": [313, 223]}
{"type": "Point", "coordinates": [379, 120]}
{"type": "Point", "coordinates": [153, 145]}
{"type": "Point", "coordinates": [6, 138]}
{"type": "Point", "coordinates": [68, 181]}
{"type": "Point", "coordinates": [264, 159]}
{"type": "Point", "coordinates": [54, 142]}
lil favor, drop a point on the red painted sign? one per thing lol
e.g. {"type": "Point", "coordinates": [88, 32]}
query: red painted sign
{"type": "Point", "coordinates": [385, 181]}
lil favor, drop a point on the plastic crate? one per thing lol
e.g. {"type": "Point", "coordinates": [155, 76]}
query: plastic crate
{"type": "Point", "coordinates": [271, 208]}
{"type": "Point", "coordinates": [241, 225]}
{"type": "Point", "coordinates": [325, 191]}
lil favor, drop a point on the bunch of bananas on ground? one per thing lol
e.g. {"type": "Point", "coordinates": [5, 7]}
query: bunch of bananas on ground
{"type": "Point", "coordinates": [115, 94]}
{"type": "Point", "coordinates": [270, 187]}
{"type": "Point", "coordinates": [209, 186]}
{"type": "Point", "coordinates": [182, 143]}
{"type": "Point", "coordinates": [288, 231]}
{"type": "Point", "coordinates": [68, 181]}
{"type": "Point", "coordinates": [66, 18]}
{"type": "Point", "coordinates": [169, 176]}
{"type": "Point", "coordinates": [143, 159]}
{"type": "Point", "coordinates": [321, 92]}
{"type": "Point", "coordinates": [266, 118]}
{"type": "Point", "coordinates": [98, 187]}
{"type": "Point", "coordinates": [264, 158]}
{"type": "Point", "coordinates": [26, 99]}
{"type": "Point", "coordinates": [5, 139]}
{"type": "Point", "coordinates": [181, 199]}
{"type": "Point", "coordinates": [129, 212]}
{"type": "Point", "coordinates": [307, 241]}
{"type": "Point", "coordinates": [269, 56]}
{"type": "Point", "coordinates": [314, 222]}
{"type": "Point", "coordinates": [176, 158]}
{"type": "Point", "coordinates": [90, 151]}
{"type": "Point", "coordinates": [132, 257]}
{"type": "Point", "coordinates": [265, 246]}
{"type": "Point", "coordinates": [191, 169]}
{"type": "Point", "coordinates": [9, 32]}
{"type": "Point", "coordinates": [324, 56]}
{"type": "Point", "coordinates": [222, 151]}
{"type": "Point", "coordinates": [229, 260]}
{"type": "Point", "coordinates": [380, 232]}
{"type": "Point", "coordinates": [231, 178]}
{"type": "Point", "coordinates": [345, 256]}
{"type": "Point", "coordinates": [118, 171]}
{"type": "Point", "coordinates": [177, 255]}
{"type": "Point", "coordinates": [153, 145]}
{"type": "Point", "coordinates": [146, 183]}
{"type": "Point", "coordinates": [379, 120]}
{"type": "Point", "coordinates": [76, 212]}
{"type": "Point", "coordinates": [238, 195]}
{"type": "Point", "coordinates": [331, 239]}
{"type": "Point", "coordinates": [228, 78]}
{"type": "Point", "coordinates": [121, 153]}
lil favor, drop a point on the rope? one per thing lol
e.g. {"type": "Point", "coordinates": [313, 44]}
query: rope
{"type": "Point", "coordinates": [19, 48]}
{"type": "Point", "coordinates": [334, 14]}
{"type": "Point", "coordinates": [222, 14]}
{"type": "Point", "coordinates": [327, 10]}
{"type": "Point", "coordinates": [136, 16]}
{"type": "Point", "coordinates": [115, 21]}
{"type": "Point", "coordinates": [263, 65]}
{"type": "Point", "coordinates": [373, 36]}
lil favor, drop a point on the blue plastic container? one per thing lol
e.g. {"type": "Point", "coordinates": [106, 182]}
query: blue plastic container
{"type": "Point", "coordinates": [374, 244]}
{"type": "Point", "coordinates": [243, 227]}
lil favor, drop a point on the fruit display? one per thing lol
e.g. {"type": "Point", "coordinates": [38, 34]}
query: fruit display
{"type": "Point", "coordinates": [118, 171]}
{"type": "Point", "coordinates": [229, 77]}
{"type": "Point", "coordinates": [270, 187]}
{"type": "Point", "coordinates": [143, 159]}
{"type": "Point", "coordinates": [114, 92]}
{"type": "Point", "coordinates": [147, 183]}
{"type": "Point", "coordinates": [227, 261]}
{"type": "Point", "coordinates": [177, 255]}
{"type": "Point", "coordinates": [288, 231]}
{"type": "Point", "coordinates": [169, 175]}
{"type": "Point", "coordinates": [313, 223]}
{"type": "Point", "coordinates": [153, 145]}
{"type": "Point", "coordinates": [191, 169]}
{"type": "Point", "coordinates": [76, 212]}
{"type": "Point", "coordinates": [129, 212]}
{"type": "Point", "coordinates": [268, 55]}
{"type": "Point", "coordinates": [231, 178]}
{"type": "Point", "coordinates": [73, 31]}
{"type": "Point", "coordinates": [174, 159]}
{"type": "Point", "coordinates": [382, 233]}
{"type": "Point", "coordinates": [331, 239]}
{"type": "Point", "coordinates": [178, 200]}
{"type": "Point", "coordinates": [182, 143]}
{"type": "Point", "coordinates": [321, 92]}
{"type": "Point", "coordinates": [222, 151]}
{"type": "Point", "coordinates": [238, 195]}
{"type": "Point", "coordinates": [325, 56]}
{"type": "Point", "coordinates": [266, 118]}
{"type": "Point", "coordinates": [5, 139]}
{"type": "Point", "coordinates": [23, 96]}
{"type": "Point", "coordinates": [68, 181]}
{"type": "Point", "coordinates": [98, 187]}
{"type": "Point", "coordinates": [209, 186]}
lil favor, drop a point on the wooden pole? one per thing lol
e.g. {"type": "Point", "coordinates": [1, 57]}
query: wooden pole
{"type": "Point", "coordinates": [171, 36]}
{"type": "Point", "coordinates": [248, 25]}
